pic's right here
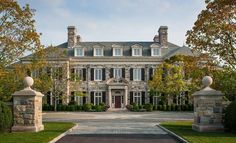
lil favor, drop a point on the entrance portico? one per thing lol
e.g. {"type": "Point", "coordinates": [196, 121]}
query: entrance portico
{"type": "Point", "coordinates": [117, 94]}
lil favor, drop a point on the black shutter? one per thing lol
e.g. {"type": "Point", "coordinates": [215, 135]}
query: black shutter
{"type": "Point", "coordinates": [84, 74]}
{"type": "Point", "coordinates": [151, 99]}
{"type": "Point", "coordinates": [103, 74]}
{"type": "Point", "coordinates": [104, 97]}
{"type": "Point", "coordinates": [72, 96]}
{"type": "Point", "coordinates": [84, 100]}
{"type": "Point", "coordinates": [143, 74]}
{"type": "Point", "coordinates": [92, 74]}
{"type": "Point", "coordinates": [111, 73]}
{"type": "Point", "coordinates": [131, 74]}
{"type": "Point", "coordinates": [92, 97]}
{"type": "Point", "coordinates": [143, 98]}
{"type": "Point", "coordinates": [123, 72]}
{"type": "Point", "coordinates": [72, 74]}
{"type": "Point", "coordinates": [150, 73]}
{"type": "Point", "coordinates": [131, 97]}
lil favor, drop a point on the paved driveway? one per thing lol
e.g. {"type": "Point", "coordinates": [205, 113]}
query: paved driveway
{"type": "Point", "coordinates": [119, 126]}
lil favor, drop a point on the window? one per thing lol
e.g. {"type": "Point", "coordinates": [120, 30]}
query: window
{"type": "Point", "coordinates": [79, 52]}
{"type": "Point", "coordinates": [117, 73]}
{"type": "Point", "coordinates": [79, 100]}
{"type": "Point", "coordinates": [117, 52]}
{"type": "Point", "coordinates": [98, 52]}
{"type": "Point", "coordinates": [137, 74]}
{"type": "Point", "coordinates": [137, 98]}
{"type": "Point", "coordinates": [78, 74]}
{"type": "Point", "coordinates": [156, 98]}
{"type": "Point", "coordinates": [98, 74]}
{"type": "Point", "coordinates": [156, 51]}
{"type": "Point", "coordinates": [137, 52]}
{"type": "Point", "coordinates": [97, 98]}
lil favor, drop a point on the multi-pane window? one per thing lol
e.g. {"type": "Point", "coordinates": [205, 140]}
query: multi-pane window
{"type": "Point", "coordinates": [98, 52]}
{"type": "Point", "coordinates": [78, 74]}
{"type": "Point", "coordinates": [156, 51]}
{"type": "Point", "coordinates": [97, 74]}
{"type": "Point", "coordinates": [79, 52]}
{"type": "Point", "coordinates": [137, 74]}
{"type": "Point", "coordinates": [97, 98]}
{"type": "Point", "coordinates": [117, 73]}
{"type": "Point", "coordinates": [156, 100]}
{"type": "Point", "coordinates": [137, 98]}
{"type": "Point", "coordinates": [137, 52]}
{"type": "Point", "coordinates": [79, 100]}
{"type": "Point", "coordinates": [117, 52]}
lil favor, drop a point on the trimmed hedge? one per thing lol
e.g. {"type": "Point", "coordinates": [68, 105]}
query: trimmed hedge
{"type": "Point", "coordinates": [5, 117]}
{"type": "Point", "coordinates": [230, 117]}
{"type": "Point", "coordinates": [72, 107]}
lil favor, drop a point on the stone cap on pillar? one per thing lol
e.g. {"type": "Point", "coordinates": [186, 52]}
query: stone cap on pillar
{"type": "Point", "coordinates": [27, 91]}
{"type": "Point", "coordinates": [207, 81]}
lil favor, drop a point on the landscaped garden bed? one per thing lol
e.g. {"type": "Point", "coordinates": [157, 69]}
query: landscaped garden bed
{"type": "Point", "coordinates": [184, 129]}
{"type": "Point", "coordinates": [52, 130]}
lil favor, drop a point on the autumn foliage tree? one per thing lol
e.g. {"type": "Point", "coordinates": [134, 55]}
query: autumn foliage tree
{"type": "Point", "coordinates": [214, 32]}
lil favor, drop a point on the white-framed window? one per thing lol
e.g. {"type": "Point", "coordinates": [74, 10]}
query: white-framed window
{"type": "Point", "coordinates": [98, 51]}
{"type": "Point", "coordinates": [97, 74]}
{"type": "Point", "coordinates": [155, 99]}
{"type": "Point", "coordinates": [79, 100]}
{"type": "Point", "coordinates": [136, 51]}
{"type": "Point", "coordinates": [78, 74]}
{"type": "Point", "coordinates": [137, 74]}
{"type": "Point", "coordinates": [97, 98]}
{"type": "Point", "coordinates": [156, 51]}
{"type": "Point", "coordinates": [137, 98]}
{"type": "Point", "coordinates": [79, 52]}
{"type": "Point", "coordinates": [117, 52]}
{"type": "Point", "coordinates": [117, 73]}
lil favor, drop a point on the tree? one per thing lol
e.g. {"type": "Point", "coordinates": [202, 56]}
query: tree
{"type": "Point", "coordinates": [214, 32]}
{"type": "Point", "coordinates": [17, 32]}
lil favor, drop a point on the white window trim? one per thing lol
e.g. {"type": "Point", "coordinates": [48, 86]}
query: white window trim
{"type": "Point", "coordinates": [78, 71]}
{"type": "Point", "coordinates": [95, 75]}
{"type": "Point", "coordinates": [95, 54]}
{"type": "Point", "coordinates": [141, 52]}
{"type": "Point", "coordinates": [120, 70]}
{"type": "Point", "coordinates": [121, 52]}
{"type": "Point", "coordinates": [97, 95]}
{"type": "Point", "coordinates": [137, 95]}
{"type": "Point", "coordinates": [76, 54]}
{"type": "Point", "coordinates": [137, 77]}
{"type": "Point", "coordinates": [153, 52]}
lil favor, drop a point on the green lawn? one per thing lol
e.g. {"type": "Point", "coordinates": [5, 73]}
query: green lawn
{"type": "Point", "coordinates": [184, 129]}
{"type": "Point", "coordinates": [51, 131]}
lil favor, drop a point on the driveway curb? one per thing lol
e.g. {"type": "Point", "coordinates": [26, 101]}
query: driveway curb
{"type": "Point", "coordinates": [177, 137]}
{"type": "Point", "coordinates": [63, 134]}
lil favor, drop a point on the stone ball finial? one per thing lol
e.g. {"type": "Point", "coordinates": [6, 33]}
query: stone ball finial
{"type": "Point", "coordinates": [207, 81]}
{"type": "Point", "coordinates": [28, 81]}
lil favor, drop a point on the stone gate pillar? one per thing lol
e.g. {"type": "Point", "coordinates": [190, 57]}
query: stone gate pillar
{"type": "Point", "coordinates": [207, 108]}
{"type": "Point", "coordinates": [27, 109]}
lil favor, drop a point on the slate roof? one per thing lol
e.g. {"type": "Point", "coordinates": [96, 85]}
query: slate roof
{"type": "Point", "coordinates": [168, 52]}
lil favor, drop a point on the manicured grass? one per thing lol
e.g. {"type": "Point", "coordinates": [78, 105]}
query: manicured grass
{"type": "Point", "coordinates": [51, 131]}
{"type": "Point", "coordinates": [184, 129]}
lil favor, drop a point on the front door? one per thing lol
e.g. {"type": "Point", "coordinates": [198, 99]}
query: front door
{"type": "Point", "coordinates": [117, 101]}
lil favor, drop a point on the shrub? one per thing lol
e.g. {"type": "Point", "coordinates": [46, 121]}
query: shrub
{"type": "Point", "coordinates": [5, 117]}
{"type": "Point", "coordinates": [155, 107]}
{"type": "Point", "coordinates": [46, 107]}
{"type": "Point", "coordinates": [129, 107]}
{"type": "Point", "coordinates": [135, 107]}
{"type": "Point", "coordinates": [87, 107]}
{"type": "Point", "coordinates": [79, 108]}
{"type": "Point", "coordinates": [172, 106]}
{"type": "Point", "coordinates": [148, 107]}
{"type": "Point", "coordinates": [98, 108]}
{"type": "Point", "coordinates": [164, 108]}
{"type": "Point", "coordinates": [160, 107]}
{"type": "Point", "coordinates": [230, 116]}
{"type": "Point", "coordinates": [168, 107]}
{"type": "Point", "coordinates": [178, 108]}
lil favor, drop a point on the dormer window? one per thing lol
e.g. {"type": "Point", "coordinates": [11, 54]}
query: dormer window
{"type": "Point", "coordinates": [117, 52]}
{"type": "Point", "coordinates": [156, 51]}
{"type": "Point", "coordinates": [136, 52]}
{"type": "Point", "coordinates": [79, 52]}
{"type": "Point", "coordinates": [98, 52]}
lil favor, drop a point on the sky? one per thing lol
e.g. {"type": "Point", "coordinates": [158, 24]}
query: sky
{"type": "Point", "coordinates": [114, 20]}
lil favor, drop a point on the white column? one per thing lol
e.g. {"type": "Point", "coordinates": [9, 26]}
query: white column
{"type": "Point", "coordinates": [109, 97]}
{"type": "Point", "coordinates": [126, 96]}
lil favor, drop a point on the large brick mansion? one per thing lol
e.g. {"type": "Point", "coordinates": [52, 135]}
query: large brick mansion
{"type": "Point", "coordinates": [115, 73]}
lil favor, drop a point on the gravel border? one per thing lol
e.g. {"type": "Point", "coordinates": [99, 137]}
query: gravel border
{"type": "Point", "coordinates": [177, 137]}
{"type": "Point", "coordinates": [63, 134]}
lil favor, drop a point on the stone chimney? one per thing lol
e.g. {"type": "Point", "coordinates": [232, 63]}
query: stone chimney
{"type": "Point", "coordinates": [72, 38]}
{"type": "Point", "coordinates": [156, 38]}
{"type": "Point", "coordinates": [163, 36]}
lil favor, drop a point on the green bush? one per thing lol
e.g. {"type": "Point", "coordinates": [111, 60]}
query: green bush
{"type": "Point", "coordinates": [168, 107]}
{"type": "Point", "coordinates": [161, 107]}
{"type": "Point", "coordinates": [148, 107]}
{"type": "Point", "coordinates": [129, 107]}
{"type": "Point", "coordinates": [172, 106]}
{"type": "Point", "coordinates": [135, 107]}
{"type": "Point", "coordinates": [5, 117]}
{"type": "Point", "coordinates": [178, 108]}
{"type": "Point", "coordinates": [87, 107]}
{"type": "Point", "coordinates": [98, 108]}
{"type": "Point", "coordinates": [79, 108]}
{"type": "Point", "coordinates": [230, 117]}
{"type": "Point", "coordinates": [155, 107]}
